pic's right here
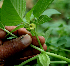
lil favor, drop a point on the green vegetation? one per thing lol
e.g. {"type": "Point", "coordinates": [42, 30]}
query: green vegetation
{"type": "Point", "coordinates": [53, 24]}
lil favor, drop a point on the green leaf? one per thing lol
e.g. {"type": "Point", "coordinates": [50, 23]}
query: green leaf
{"type": "Point", "coordinates": [50, 12]}
{"type": "Point", "coordinates": [10, 37]}
{"type": "Point", "coordinates": [47, 34]}
{"type": "Point", "coordinates": [1, 2]}
{"type": "Point", "coordinates": [43, 60]}
{"type": "Point", "coordinates": [61, 41]}
{"type": "Point", "coordinates": [1, 25]}
{"type": "Point", "coordinates": [68, 17]}
{"type": "Point", "coordinates": [28, 15]}
{"type": "Point", "coordinates": [42, 19]}
{"type": "Point", "coordinates": [13, 12]}
{"type": "Point", "coordinates": [53, 41]}
{"type": "Point", "coordinates": [18, 27]}
{"type": "Point", "coordinates": [0, 14]}
{"type": "Point", "coordinates": [68, 42]}
{"type": "Point", "coordinates": [40, 7]}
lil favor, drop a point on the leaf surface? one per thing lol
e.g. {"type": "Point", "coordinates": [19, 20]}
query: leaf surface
{"type": "Point", "coordinates": [68, 42]}
{"type": "Point", "coordinates": [0, 14]}
{"type": "Point", "coordinates": [18, 27]}
{"type": "Point", "coordinates": [61, 41]}
{"type": "Point", "coordinates": [12, 12]}
{"type": "Point", "coordinates": [40, 7]}
{"type": "Point", "coordinates": [28, 15]}
{"type": "Point", "coordinates": [43, 60]}
{"type": "Point", "coordinates": [42, 19]}
{"type": "Point", "coordinates": [47, 34]}
{"type": "Point", "coordinates": [50, 12]}
{"type": "Point", "coordinates": [68, 17]}
{"type": "Point", "coordinates": [1, 25]}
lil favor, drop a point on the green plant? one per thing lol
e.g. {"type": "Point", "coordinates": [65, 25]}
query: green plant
{"type": "Point", "coordinates": [13, 11]}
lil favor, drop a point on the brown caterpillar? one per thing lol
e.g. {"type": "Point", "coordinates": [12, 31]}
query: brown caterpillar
{"type": "Point", "coordinates": [13, 46]}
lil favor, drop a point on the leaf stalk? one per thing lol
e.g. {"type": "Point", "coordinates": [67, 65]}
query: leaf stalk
{"type": "Point", "coordinates": [52, 54]}
{"type": "Point", "coordinates": [10, 33]}
{"type": "Point", "coordinates": [59, 62]}
{"type": "Point", "coordinates": [23, 63]}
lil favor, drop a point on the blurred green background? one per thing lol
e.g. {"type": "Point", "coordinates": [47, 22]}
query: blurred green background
{"type": "Point", "coordinates": [57, 31]}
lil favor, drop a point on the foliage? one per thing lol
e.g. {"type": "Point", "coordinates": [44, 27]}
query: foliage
{"type": "Point", "coordinates": [43, 60]}
{"type": "Point", "coordinates": [0, 14]}
{"type": "Point", "coordinates": [55, 32]}
{"type": "Point", "coordinates": [12, 12]}
{"type": "Point", "coordinates": [49, 12]}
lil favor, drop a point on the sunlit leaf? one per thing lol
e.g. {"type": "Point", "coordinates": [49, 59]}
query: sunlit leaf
{"type": "Point", "coordinates": [40, 7]}
{"type": "Point", "coordinates": [28, 15]}
{"type": "Point", "coordinates": [43, 60]}
{"type": "Point", "coordinates": [12, 12]}
{"type": "Point", "coordinates": [50, 12]}
{"type": "Point", "coordinates": [42, 19]}
{"type": "Point", "coordinates": [1, 2]}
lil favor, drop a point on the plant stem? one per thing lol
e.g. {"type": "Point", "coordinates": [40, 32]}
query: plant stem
{"type": "Point", "coordinates": [23, 63]}
{"type": "Point", "coordinates": [52, 54]}
{"type": "Point", "coordinates": [39, 41]}
{"type": "Point", "coordinates": [60, 49]}
{"type": "Point", "coordinates": [10, 33]}
{"type": "Point", "coordinates": [58, 62]}
{"type": "Point", "coordinates": [65, 50]}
